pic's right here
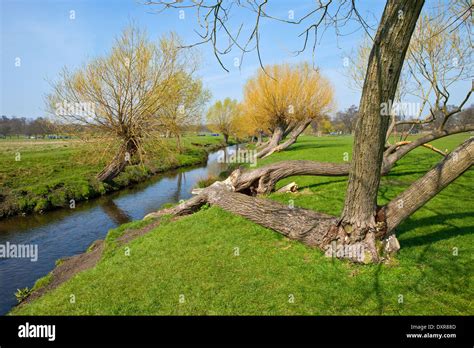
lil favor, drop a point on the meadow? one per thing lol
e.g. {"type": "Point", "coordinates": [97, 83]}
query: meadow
{"type": "Point", "coordinates": [37, 175]}
{"type": "Point", "coordinates": [216, 263]}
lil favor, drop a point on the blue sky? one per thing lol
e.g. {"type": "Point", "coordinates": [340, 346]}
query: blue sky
{"type": "Point", "coordinates": [44, 37]}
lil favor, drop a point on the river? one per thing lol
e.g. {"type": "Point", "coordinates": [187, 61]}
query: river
{"type": "Point", "coordinates": [66, 232]}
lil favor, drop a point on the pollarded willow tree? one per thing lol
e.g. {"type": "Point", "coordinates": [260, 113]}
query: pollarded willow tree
{"type": "Point", "coordinates": [121, 97]}
{"type": "Point", "coordinates": [283, 100]}
{"type": "Point", "coordinates": [362, 224]}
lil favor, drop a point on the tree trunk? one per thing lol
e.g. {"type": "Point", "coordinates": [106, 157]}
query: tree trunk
{"type": "Point", "coordinates": [312, 228]}
{"type": "Point", "coordinates": [259, 138]}
{"type": "Point", "coordinates": [392, 154]}
{"type": "Point", "coordinates": [425, 188]}
{"type": "Point", "coordinates": [293, 136]}
{"type": "Point", "coordinates": [178, 143]}
{"type": "Point", "coordinates": [277, 136]}
{"type": "Point", "coordinates": [263, 180]}
{"type": "Point", "coordinates": [121, 159]}
{"type": "Point", "coordinates": [383, 71]}
{"type": "Point", "coordinates": [226, 138]}
{"type": "Point", "coordinates": [289, 128]}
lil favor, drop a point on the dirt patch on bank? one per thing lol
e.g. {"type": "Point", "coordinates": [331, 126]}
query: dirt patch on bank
{"type": "Point", "coordinates": [71, 266]}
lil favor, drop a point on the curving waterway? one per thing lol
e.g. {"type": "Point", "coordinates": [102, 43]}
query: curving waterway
{"type": "Point", "coordinates": [66, 232]}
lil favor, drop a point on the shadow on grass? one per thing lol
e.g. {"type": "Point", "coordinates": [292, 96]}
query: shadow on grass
{"type": "Point", "coordinates": [449, 231]}
{"type": "Point", "coordinates": [405, 173]}
{"type": "Point", "coordinates": [309, 145]}
{"type": "Point", "coordinates": [321, 184]}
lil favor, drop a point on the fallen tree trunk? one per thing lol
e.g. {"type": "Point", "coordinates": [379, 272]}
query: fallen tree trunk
{"type": "Point", "coordinates": [325, 231]}
{"type": "Point", "coordinates": [263, 180]}
{"type": "Point", "coordinates": [309, 227]}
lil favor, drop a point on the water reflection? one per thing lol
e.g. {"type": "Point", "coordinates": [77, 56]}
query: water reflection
{"type": "Point", "coordinates": [116, 214]}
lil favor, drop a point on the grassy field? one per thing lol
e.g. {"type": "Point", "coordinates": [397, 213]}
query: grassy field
{"type": "Point", "coordinates": [39, 175]}
{"type": "Point", "coordinates": [215, 263]}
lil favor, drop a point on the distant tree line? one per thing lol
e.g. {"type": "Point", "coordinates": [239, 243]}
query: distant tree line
{"type": "Point", "coordinates": [16, 126]}
{"type": "Point", "coordinates": [343, 122]}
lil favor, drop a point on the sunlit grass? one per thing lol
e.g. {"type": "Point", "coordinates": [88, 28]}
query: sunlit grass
{"type": "Point", "coordinates": [224, 264]}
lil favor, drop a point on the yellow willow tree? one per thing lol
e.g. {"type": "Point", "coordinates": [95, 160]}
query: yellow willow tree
{"type": "Point", "coordinates": [247, 126]}
{"type": "Point", "coordinates": [118, 97]}
{"type": "Point", "coordinates": [284, 100]}
{"type": "Point", "coordinates": [221, 117]}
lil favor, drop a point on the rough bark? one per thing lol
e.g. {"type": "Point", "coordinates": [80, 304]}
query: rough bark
{"type": "Point", "coordinates": [277, 136]}
{"type": "Point", "coordinates": [383, 71]}
{"type": "Point", "coordinates": [425, 188]}
{"type": "Point", "coordinates": [322, 230]}
{"type": "Point", "coordinates": [312, 228]}
{"type": "Point", "coordinates": [394, 153]}
{"type": "Point", "coordinates": [259, 138]}
{"type": "Point", "coordinates": [263, 180]}
{"type": "Point", "coordinates": [119, 162]}
{"type": "Point", "coordinates": [292, 137]}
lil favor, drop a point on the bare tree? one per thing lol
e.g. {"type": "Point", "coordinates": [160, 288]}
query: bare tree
{"type": "Point", "coordinates": [346, 119]}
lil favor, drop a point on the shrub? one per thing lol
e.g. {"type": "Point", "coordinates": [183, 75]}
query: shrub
{"type": "Point", "coordinates": [41, 205]}
{"type": "Point", "coordinates": [22, 294]}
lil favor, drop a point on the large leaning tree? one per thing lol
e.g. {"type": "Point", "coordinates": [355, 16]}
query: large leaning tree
{"type": "Point", "coordinates": [362, 223]}
{"type": "Point", "coordinates": [122, 97]}
{"type": "Point", "coordinates": [283, 100]}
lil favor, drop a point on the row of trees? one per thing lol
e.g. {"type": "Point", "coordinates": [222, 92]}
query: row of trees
{"type": "Point", "coordinates": [15, 126]}
{"type": "Point", "coordinates": [343, 122]}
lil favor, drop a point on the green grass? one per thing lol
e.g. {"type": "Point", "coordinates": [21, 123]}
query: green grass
{"type": "Point", "coordinates": [196, 257]}
{"type": "Point", "coordinates": [49, 173]}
